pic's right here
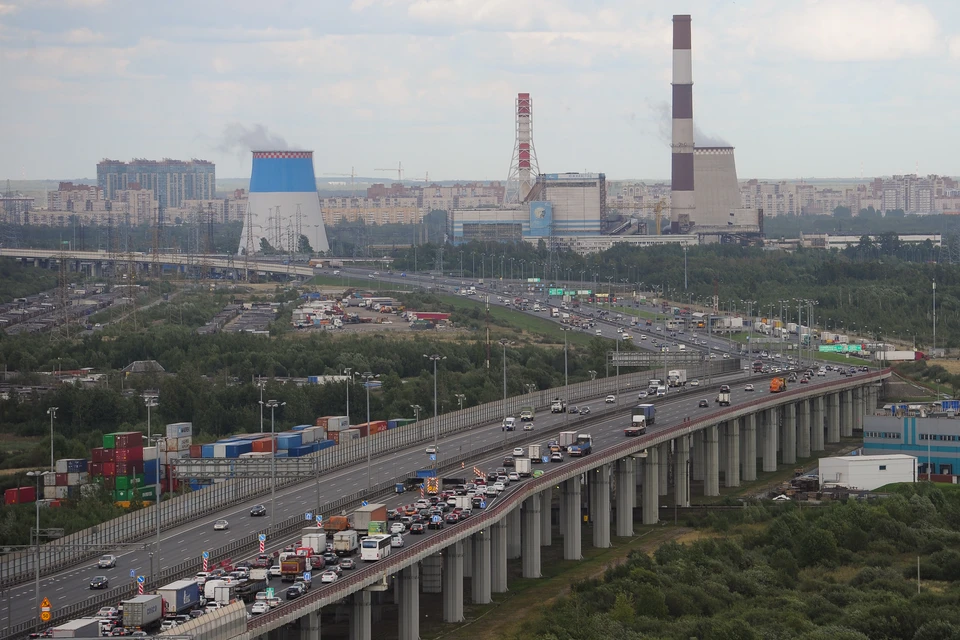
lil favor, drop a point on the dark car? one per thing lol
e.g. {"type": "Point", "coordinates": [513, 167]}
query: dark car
{"type": "Point", "coordinates": [99, 582]}
{"type": "Point", "coordinates": [435, 524]}
{"type": "Point", "coordinates": [452, 518]}
{"type": "Point", "coordinates": [508, 462]}
{"type": "Point", "coordinates": [417, 528]}
{"type": "Point", "coordinates": [258, 511]}
{"type": "Point", "coordinates": [703, 403]}
{"type": "Point", "coordinates": [724, 388]}
{"type": "Point", "coordinates": [294, 592]}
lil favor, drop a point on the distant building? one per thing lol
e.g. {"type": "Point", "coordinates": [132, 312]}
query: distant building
{"type": "Point", "coordinates": [173, 181]}
{"type": "Point", "coordinates": [935, 442]}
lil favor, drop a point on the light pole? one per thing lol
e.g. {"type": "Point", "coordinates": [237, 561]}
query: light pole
{"type": "Point", "coordinates": [416, 411]}
{"type": "Point", "coordinates": [38, 476]}
{"type": "Point", "coordinates": [435, 358]}
{"type": "Point", "coordinates": [261, 384]}
{"type": "Point", "coordinates": [349, 373]}
{"type": "Point", "coordinates": [367, 377]}
{"type": "Point", "coordinates": [503, 344]}
{"type": "Point", "coordinates": [152, 401]}
{"type": "Point", "coordinates": [460, 398]}
{"type": "Point", "coordinates": [566, 378]}
{"type": "Point", "coordinates": [272, 405]}
{"type": "Point", "coordinates": [52, 412]}
{"type": "Point", "coordinates": [684, 268]}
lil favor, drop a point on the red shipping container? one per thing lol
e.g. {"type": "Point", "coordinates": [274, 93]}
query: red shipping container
{"type": "Point", "coordinates": [95, 468]}
{"type": "Point", "coordinates": [129, 440]}
{"type": "Point", "coordinates": [196, 451]}
{"type": "Point", "coordinates": [109, 469]}
{"type": "Point", "coordinates": [109, 455]}
{"type": "Point", "coordinates": [96, 454]}
{"type": "Point", "coordinates": [27, 494]}
{"type": "Point", "coordinates": [131, 468]}
{"type": "Point", "coordinates": [11, 496]}
{"type": "Point", "coordinates": [362, 428]}
{"type": "Point", "coordinates": [378, 426]}
{"type": "Point", "coordinates": [61, 479]}
{"type": "Point", "coordinates": [128, 455]}
{"type": "Point", "coordinates": [335, 436]}
{"type": "Point", "coordinates": [323, 422]}
{"type": "Point", "coordinates": [263, 445]}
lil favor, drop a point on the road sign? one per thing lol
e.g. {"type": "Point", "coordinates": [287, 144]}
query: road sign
{"type": "Point", "coordinates": [262, 537]}
{"type": "Point", "coordinates": [133, 573]}
{"type": "Point", "coordinates": [140, 579]}
{"type": "Point", "coordinates": [545, 459]}
{"type": "Point", "coordinates": [45, 604]}
{"type": "Point", "coordinates": [270, 592]}
{"type": "Point", "coordinates": [306, 576]}
{"type": "Point", "coordinates": [483, 504]}
{"type": "Point", "coordinates": [436, 518]}
{"type": "Point", "coordinates": [45, 616]}
{"type": "Point", "coordinates": [364, 503]}
{"type": "Point", "coordinates": [319, 519]}
{"type": "Point", "coordinates": [433, 457]}
{"type": "Point", "coordinates": [206, 555]}
{"type": "Point", "coordinates": [309, 516]}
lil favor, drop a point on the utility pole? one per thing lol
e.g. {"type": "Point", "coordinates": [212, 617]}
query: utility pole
{"type": "Point", "coordinates": [273, 404]}
{"type": "Point", "coordinates": [52, 412]}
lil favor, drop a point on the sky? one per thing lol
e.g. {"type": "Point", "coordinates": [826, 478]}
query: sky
{"type": "Point", "coordinates": [802, 88]}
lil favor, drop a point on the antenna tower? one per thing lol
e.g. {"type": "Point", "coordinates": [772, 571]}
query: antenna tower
{"type": "Point", "coordinates": [250, 255]}
{"type": "Point", "coordinates": [132, 288]}
{"type": "Point", "coordinates": [524, 167]}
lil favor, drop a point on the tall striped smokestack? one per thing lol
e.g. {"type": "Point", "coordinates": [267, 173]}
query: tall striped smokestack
{"type": "Point", "coordinates": [681, 177]}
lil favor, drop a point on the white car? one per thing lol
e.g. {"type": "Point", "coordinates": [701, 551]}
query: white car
{"type": "Point", "coordinates": [328, 576]}
{"type": "Point", "coordinates": [260, 606]}
{"type": "Point", "coordinates": [274, 571]}
{"type": "Point", "coordinates": [610, 399]}
{"type": "Point", "coordinates": [514, 476]}
{"type": "Point", "coordinates": [201, 577]}
{"type": "Point", "coordinates": [221, 525]}
{"type": "Point", "coordinates": [642, 395]}
{"type": "Point", "coordinates": [431, 451]}
{"type": "Point", "coordinates": [749, 387]}
{"type": "Point", "coordinates": [396, 541]}
{"type": "Point", "coordinates": [528, 426]}
{"type": "Point", "coordinates": [518, 452]}
{"type": "Point", "coordinates": [694, 383]}
{"type": "Point", "coordinates": [499, 486]}
{"type": "Point", "coordinates": [397, 527]}
{"type": "Point", "coordinates": [107, 562]}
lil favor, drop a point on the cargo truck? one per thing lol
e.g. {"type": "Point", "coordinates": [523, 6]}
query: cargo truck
{"type": "Point", "coordinates": [527, 414]}
{"type": "Point", "coordinates": [558, 406]}
{"type": "Point", "coordinates": [653, 384]}
{"type": "Point", "coordinates": [224, 593]}
{"type": "Point", "coordinates": [247, 591]}
{"type": "Point", "coordinates": [523, 467]}
{"type": "Point", "coordinates": [778, 384]}
{"type": "Point", "coordinates": [582, 447]}
{"type": "Point", "coordinates": [567, 438]}
{"type": "Point", "coordinates": [142, 612]}
{"type": "Point", "coordinates": [723, 398]}
{"type": "Point", "coordinates": [677, 377]}
{"type": "Point", "coordinates": [314, 538]}
{"type": "Point", "coordinates": [533, 451]}
{"type": "Point", "coordinates": [640, 417]}
{"type": "Point", "coordinates": [346, 542]}
{"type": "Point", "coordinates": [293, 567]}
{"type": "Point", "coordinates": [178, 596]}
{"type": "Point", "coordinates": [363, 516]}
{"type": "Point", "coordinates": [81, 628]}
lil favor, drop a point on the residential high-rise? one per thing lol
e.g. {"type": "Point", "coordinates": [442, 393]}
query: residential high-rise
{"type": "Point", "coordinates": [173, 181]}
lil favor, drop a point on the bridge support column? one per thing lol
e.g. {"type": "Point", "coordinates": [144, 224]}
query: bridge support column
{"type": "Point", "coordinates": [546, 517]}
{"type": "Point", "coordinates": [600, 477]}
{"type": "Point", "coordinates": [749, 434]}
{"type": "Point", "coordinates": [409, 612]}
{"type": "Point", "coordinates": [531, 536]}
{"type": "Point", "coordinates": [453, 583]}
{"type": "Point", "coordinates": [681, 475]}
{"type": "Point", "coordinates": [663, 469]}
{"type": "Point", "coordinates": [771, 430]}
{"type": "Point", "coordinates": [789, 433]}
{"type": "Point", "coordinates": [711, 455]}
{"type": "Point", "coordinates": [480, 587]}
{"type": "Point", "coordinates": [699, 446]}
{"type": "Point", "coordinates": [731, 476]}
{"type": "Point", "coordinates": [432, 570]}
{"type": "Point", "coordinates": [816, 427]}
{"type": "Point", "coordinates": [846, 414]}
{"type": "Point", "coordinates": [626, 488]}
{"type": "Point", "coordinates": [571, 519]}
{"type": "Point", "coordinates": [833, 418]}
{"type": "Point", "coordinates": [651, 474]}
{"type": "Point", "coordinates": [467, 557]}
{"type": "Point", "coordinates": [361, 627]}
{"type": "Point", "coordinates": [310, 626]}
{"type": "Point", "coordinates": [803, 429]}
{"type": "Point", "coordinates": [513, 534]}
{"type": "Point", "coordinates": [859, 407]}
{"type": "Point", "coordinates": [498, 555]}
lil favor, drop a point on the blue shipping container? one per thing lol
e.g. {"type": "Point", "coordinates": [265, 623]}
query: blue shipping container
{"type": "Point", "coordinates": [206, 451]}
{"type": "Point", "coordinates": [234, 449]}
{"type": "Point", "coordinates": [76, 466]}
{"type": "Point", "coordinates": [296, 452]}
{"type": "Point", "coordinates": [951, 405]}
{"type": "Point", "coordinates": [301, 427]}
{"type": "Point", "coordinates": [325, 444]}
{"type": "Point", "coordinates": [393, 424]}
{"type": "Point", "coordinates": [288, 440]}
{"type": "Point", "coordinates": [281, 453]}
{"type": "Point", "coordinates": [313, 379]}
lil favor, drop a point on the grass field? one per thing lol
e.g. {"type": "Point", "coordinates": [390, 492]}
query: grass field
{"type": "Point", "coordinates": [518, 319]}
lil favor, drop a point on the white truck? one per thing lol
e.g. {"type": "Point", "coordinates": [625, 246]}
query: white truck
{"type": "Point", "coordinates": [567, 438]}
{"type": "Point", "coordinates": [314, 538]}
{"type": "Point", "coordinates": [533, 452]}
{"type": "Point", "coordinates": [558, 406]}
{"type": "Point", "coordinates": [653, 384]}
{"type": "Point", "coordinates": [677, 377]}
{"type": "Point", "coordinates": [345, 542]}
{"type": "Point", "coordinates": [554, 312]}
{"type": "Point", "coordinates": [523, 467]}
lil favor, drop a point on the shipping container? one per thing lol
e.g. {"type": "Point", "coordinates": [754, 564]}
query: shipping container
{"type": "Point", "coordinates": [263, 445]}
{"type": "Point", "coordinates": [179, 429]}
{"type": "Point", "coordinates": [49, 479]}
{"type": "Point", "coordinates": [150, 453]}
{"type": "Point", "coordinates": [128, 468]}
{"type": "Point", "coordinates": [61, 479]}
{"type": "Point", "coordinates": [109, 469]}
{"type": "Point", "coordinates": [351, 434]}
{"type": "Point", "coordinates": [322, 422]}
{"type": "Point", "coordinates": [142, 611]}
{"type": "Point", "coordinates": [287, 440]}
{"type": "Point", "coordinates": [207, 451]}
{"type": "Point", "coordinates": [73, 479]}
{"type": "Point", "coordinates": [80, 628]}
{"type": "Point", "coordinates": [196, 451]}
{"type": "Point", "coordinates": [337, 423]}
{"type": "Point", "coordinates": [61, 492]}
{"type": "Point", "coordinates": [50, 493]}
{"type": "Point", "coordinates": [131, 454]}
{"type": "Point", "coordinates": [308, 436]}
{"type": "Point", "coordinates": [301, 427]}
{"type": "Point", "coordinates": [325, 444]}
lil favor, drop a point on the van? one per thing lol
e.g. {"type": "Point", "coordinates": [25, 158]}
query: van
{"type": "Point", "coordinates": [682, 347]}
{"type": "Point", "coordinates": [509, 424]}
{"type": "Point", "coordinates": [599, 333]}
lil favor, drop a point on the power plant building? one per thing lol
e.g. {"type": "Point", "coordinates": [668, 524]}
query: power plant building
{"type": "Point", "coordinates": [718, 204]}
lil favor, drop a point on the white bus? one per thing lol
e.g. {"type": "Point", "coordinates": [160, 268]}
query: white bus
{"type": "Point", "coordinates": [373, 548]}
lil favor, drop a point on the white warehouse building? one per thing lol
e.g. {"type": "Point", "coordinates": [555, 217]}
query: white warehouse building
{"type": "Point", "coordinates": [867, 472]}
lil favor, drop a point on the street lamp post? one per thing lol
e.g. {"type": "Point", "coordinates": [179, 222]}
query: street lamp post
{"type": "Point", "coordinates": [367, 377]}
{"type": "Point", "coordinates": [151, 402]}
{"type": "Point", "coordinates": [460, 399]}
{"type": "Point", "coordinates": [272, 405]}
{"type": "Point", "coordinates": [349, 373]}
{"type": "Point", "coordinates": [416, 412]}
{"type": "Point", "coordinates": [503, 343]}
{"type": "Point", "coordinates": [52, 412]}
{"type": "Point", "coordinates": [435, 358]}
{"type": "Point", "coordinates": [566, 377]}
{"type": "Point", "coordinates": [38, 476]}
{"type": "Point", "coordinates": [261, 384]}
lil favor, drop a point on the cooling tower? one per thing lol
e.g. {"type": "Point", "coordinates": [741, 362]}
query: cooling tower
{"type": "Point", "coordinates": [682, 174]}
{"type": "Point", "coordinates": [283, 203]}
{"type": "Point", "coordinates": [718, 193]}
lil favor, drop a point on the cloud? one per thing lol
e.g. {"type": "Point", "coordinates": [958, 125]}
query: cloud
{"type": "Point", "coordinates": [662, 116]}
{"type": "Point", "coordinates": [7, 9]}
{"type": "Point", "coordinates": [955, 47]}
{"type": "Point", "coordinates": [83, 35]}
{"type": "Point", "coordinates": [239, 139]}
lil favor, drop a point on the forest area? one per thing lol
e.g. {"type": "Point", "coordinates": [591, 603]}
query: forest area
{"type": "Point", "coordinates": [843, 571]}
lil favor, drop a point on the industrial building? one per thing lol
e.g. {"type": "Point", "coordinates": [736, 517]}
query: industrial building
{"type": "Point", "coordinates": [934, 441]}
{"type": "Point", "coordinates": [867, 472]}
{"type": "Point", "coordinates": [283, 204]}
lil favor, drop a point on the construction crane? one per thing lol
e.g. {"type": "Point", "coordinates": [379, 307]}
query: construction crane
{"type": "Point", "coordinates": [425, 179]}
{"type": "Point", "coordinates": [352, 175]}
{"type": "Point", "coordinates": [399, 171]}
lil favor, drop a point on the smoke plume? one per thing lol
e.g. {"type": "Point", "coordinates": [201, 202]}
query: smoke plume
{"type": "Point", "coordinates": [662, 114]}
{"type": "Point", "coordinates": [239, 139]}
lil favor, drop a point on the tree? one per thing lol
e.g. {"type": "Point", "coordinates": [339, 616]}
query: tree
{"type": "Point", "coordinates": [266, 247]}
{"type": "Point", "coordinates": [303, 245]}
{"type": "Point", "coordinates": [842, 212]}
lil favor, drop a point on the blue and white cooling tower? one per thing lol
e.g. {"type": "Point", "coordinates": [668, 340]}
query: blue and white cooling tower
{"type": "Point", "coordinates": [283, 203]}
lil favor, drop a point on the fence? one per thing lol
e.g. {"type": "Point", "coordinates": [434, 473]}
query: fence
{"type": "Point", "coordinates": [240, 480]}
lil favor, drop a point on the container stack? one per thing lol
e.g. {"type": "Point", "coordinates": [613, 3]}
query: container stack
{"type": "Point", "coordinates": [20, 496]}
{"type": "Point", "coordinates": [125, 474]}
{"type": "Point", "coordinates": [70, 474]}
{"type": "Point", "coordinates": [178, 443]}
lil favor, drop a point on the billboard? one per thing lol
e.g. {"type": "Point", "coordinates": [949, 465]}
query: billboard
{"type": "Point", "coordinates": [541, 218]}
{"type": "Point", "coordinates": [841, 348]}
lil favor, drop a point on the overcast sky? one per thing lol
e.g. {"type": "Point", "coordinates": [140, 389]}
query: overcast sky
{"type": "Point", "coordinates": [801, 88]}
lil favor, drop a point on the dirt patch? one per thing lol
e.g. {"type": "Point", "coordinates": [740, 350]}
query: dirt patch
{"type": "Point", "coordinates": [953, 366]}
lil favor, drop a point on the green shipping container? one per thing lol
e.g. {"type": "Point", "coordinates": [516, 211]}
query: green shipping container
{"type": "Point", "coordinates": [121, 495]}
{"type": "Point", "coordinates": [139, 480]}
{"type": "Point", "coordinates": [148, 493]}
{"type": "Point", "coordinates": [110, 441]}
{"type": "Point", "coordinates": [122, 483]}
{"type": "Point", "coordinates": [405, 421]}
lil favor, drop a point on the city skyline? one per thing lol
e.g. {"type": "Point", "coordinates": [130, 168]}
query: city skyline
{"type": "Point", "coordinates": [800, 91]}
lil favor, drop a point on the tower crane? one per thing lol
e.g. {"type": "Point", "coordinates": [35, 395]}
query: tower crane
{"type": "Point", "coordinates": [352, 175]}
{"type": "Point", "coordinates": [399, 171]}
